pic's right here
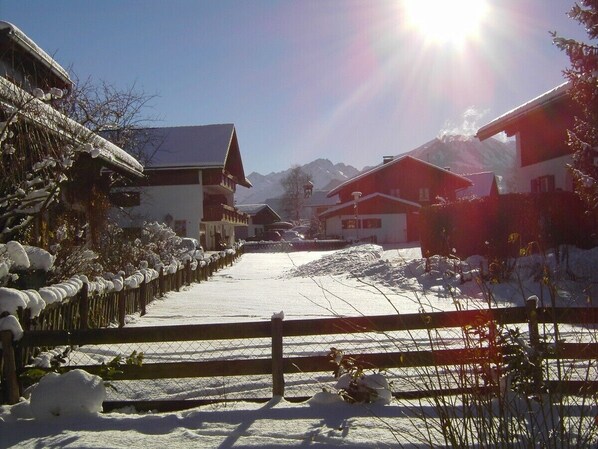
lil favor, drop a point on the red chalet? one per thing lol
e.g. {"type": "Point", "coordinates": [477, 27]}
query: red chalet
{"type": "Point", "coordinates": [383, 203]}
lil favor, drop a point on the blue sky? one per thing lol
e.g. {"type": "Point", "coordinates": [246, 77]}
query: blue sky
{"type": "Point", "coordinates": [347, 80]}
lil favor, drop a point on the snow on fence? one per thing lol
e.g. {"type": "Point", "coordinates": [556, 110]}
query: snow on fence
{"type": "Point", "coordinates": [102, 309]}
{"type": "Point", "coordinates": [414, 348]}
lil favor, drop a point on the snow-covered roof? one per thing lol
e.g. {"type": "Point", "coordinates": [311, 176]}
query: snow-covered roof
{"type": "Point", "coordinates": [253, 209]}
{"type": "Point", "coordinates": [365, 199]}
{"type": "Point", "coordinates": [385, 166]}
{"type": "Point", "coordinates": [22, 40]}
{"type": "Point", "coordinates": [201, 146]}
{"type": "Point", "coordinates": [191, 146]}
{"type": "Point", "coordinates": [501, 123]}
{"type": "Point", "coordinates": [13, 97]}
{"type": "Point", "coordinates": [482, 185]}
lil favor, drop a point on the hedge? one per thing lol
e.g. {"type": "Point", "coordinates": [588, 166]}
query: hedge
{"type": "Point", "coordinates": [485, 226]}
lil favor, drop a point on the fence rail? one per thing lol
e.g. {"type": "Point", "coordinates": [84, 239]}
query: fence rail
{"type": "Point", "coordinates": [277, 365]}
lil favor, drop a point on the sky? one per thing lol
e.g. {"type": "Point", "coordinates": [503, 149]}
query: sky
{"type": "Point", "coordinates": [346, 80]}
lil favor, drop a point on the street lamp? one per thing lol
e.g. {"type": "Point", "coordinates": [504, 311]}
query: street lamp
{"type": "Point", "coordinates": [356, 196]}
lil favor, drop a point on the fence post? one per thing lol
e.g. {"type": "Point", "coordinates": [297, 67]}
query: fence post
{"type": "Point", "coordinates": [534, 337]}
{"type": "Point", "coordinates": [84, 307]}
{"type": "Point", "coordinates": [122, 308]}
{"type": "Point", "coordinates": [142, 297]}
{"type": "Point", "coordinates": [277, 357]}
{"type": "Point", "coordinates": [9, 368]}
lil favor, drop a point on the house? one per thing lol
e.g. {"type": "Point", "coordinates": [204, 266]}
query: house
{"type": "Point", "coordinates": [259, 217]}
{"type": "Point", "coordinates": [383, 203]}
{"type": "Point", "coordinates": [191, 177]}
{"type": "Point", "coordinates": [484, 184]}
{"type": "Point", "coordinates": [36, 135]}
{"type": "Point", "coordinates": [540, 127]}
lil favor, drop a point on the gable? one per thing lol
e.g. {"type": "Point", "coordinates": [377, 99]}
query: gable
{"type": "Point", "coordinates": [405, 170]}
{"type": "Point", "coordinates": [373, 204]}
{"type": "Point", "coordinates": [205, 146]}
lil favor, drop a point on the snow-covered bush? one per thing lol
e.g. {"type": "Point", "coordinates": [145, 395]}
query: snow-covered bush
{"type": "Point", "coordinates": [355, 384]}
{"type": "Point", "coordinates": [72, 393]}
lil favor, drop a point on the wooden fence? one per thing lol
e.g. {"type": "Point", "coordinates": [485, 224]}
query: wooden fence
{"type": "Point", "coordinates": [88, 310]}
{"type": "Point", "coordinates": [278, 365]}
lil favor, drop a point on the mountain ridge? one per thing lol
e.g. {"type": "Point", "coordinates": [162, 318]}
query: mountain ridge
{"type": "Point", "coordinates": [461, 154]}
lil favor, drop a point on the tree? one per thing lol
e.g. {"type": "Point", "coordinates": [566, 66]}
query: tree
{"type": "Point", "coordinates": [583, 79]}
{"type": "Point", "coordinates": [293, 198]}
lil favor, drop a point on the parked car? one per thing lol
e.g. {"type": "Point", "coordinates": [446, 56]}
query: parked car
{"type": "Point", "coordinates": [292, 236]}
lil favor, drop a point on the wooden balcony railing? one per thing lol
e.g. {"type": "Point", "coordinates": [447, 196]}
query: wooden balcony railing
{"type": "Point", "coordinates": [223, 212]}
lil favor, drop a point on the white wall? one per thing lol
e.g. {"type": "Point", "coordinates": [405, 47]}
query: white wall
{"type": "Point", "coordinates": [393, 230]}
{"type": "Point", "coordinates": [556, 167]}
{"type": "Point", "coordinates": [181, 202]}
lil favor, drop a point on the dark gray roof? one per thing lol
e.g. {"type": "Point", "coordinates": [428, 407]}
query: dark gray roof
{"type": "Point", "coordinates": [190, 146]}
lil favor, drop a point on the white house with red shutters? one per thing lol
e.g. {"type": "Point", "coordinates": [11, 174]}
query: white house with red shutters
{"type": "Point", "coordinates": [382, 204]}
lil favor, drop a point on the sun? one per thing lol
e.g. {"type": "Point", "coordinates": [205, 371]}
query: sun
{"type": "Point", "coordinates": [446, 21]}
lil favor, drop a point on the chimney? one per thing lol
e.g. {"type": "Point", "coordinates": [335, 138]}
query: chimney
{"type": "Point", "coordinates": [387, 159]}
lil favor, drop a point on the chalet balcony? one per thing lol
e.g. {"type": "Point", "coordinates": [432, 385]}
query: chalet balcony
{"type": "Point", "coordinates": [223, 212]}
{"type": "Point", "coordinates": [216, 178]}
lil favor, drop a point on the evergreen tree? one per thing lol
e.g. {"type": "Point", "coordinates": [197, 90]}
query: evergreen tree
{"type": "Point", "coordinates": [583, 79]}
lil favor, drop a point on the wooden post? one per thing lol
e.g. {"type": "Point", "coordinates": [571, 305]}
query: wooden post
{"type": "Point", "coordinates": [9, 372]}
{"type": "Point", "coordinates": [84, 306]}
{"type": "Point", "coordinates": [142, 297]}
{"type": "Point", "coordinates": [161, 282]}
{"type": "Point", "coordinates": [277, 357]}
{"type": "Point", "coordinates": [188, 272]}
{"type": "Point", "coordinates": [122, 308]}
{"type": "Point", "coordinates": [534, 338]}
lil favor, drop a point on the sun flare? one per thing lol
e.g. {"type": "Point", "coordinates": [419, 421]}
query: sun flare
{"type": "Point", "coordinates": [446, 21]}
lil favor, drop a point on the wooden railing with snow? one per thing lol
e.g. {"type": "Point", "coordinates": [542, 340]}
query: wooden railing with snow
{"type": "Point", "coordinates": [278, 365]}
{"type": "Point", "coordinates": [100, 308]}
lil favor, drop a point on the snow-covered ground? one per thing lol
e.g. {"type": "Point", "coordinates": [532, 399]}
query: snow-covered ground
{"type": "Point", "coordinates": [366, 279]}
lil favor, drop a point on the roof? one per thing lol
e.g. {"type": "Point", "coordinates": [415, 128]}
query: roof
{"type": "Point", "coordinates": [349, 204]}
{"type": "Point", "coordinates": [201, 146]}
{"type": "Point", "coordinates": [504, 121]}
{"type": "Point", "coordinates": [385, 166]}
{"type": "Point", "coordinates": [12, 96]}
{"type": "Point", "coordinates": [482, 185]}
{"type": "Point", "coordinates": [254, 209]}
{"type": "Point", "coordinates": [23, 41]}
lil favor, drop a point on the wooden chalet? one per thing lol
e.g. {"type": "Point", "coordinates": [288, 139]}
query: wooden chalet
{"type": "Point", "coordinates": [382, 204]}
{"type": "Point", "coordinates": [191, 177]}
{"type": "Point", "coordinates": [259, 216]}
{"type": "Point", "coordinates": [38, 131]}
{"type": "Point", "coordinates": [540, 127]}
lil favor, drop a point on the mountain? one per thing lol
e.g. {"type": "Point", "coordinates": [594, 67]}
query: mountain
{"type": "Point", "coordinates": [467, 154]}
{"type": "Point", "coordinates": [325, 175]}
{"type": "Point", "coordinates": [460, 154]}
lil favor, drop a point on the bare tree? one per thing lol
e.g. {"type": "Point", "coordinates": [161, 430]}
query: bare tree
{"type": "Point", "coordinates": [293, 198]}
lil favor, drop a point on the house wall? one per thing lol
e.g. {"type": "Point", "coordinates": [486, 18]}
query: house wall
{"type": "Point", "coordinates": [182, 203]}
{"type": "Point", "coordinates": [393, 230]}
{"type": "Point", "coordinates": [404, 179]}
{"type": "Point", "coordinates": [554, 167]}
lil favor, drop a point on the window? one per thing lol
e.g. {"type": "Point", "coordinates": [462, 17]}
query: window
{"type": "Point", "coordinates": [125, 199]}
{"type": "Point", "coordinates": [395, 192]}
{"type": "Point", "coordinates": [424, 194]}
{"type": "Point", "coordinates": [372, 223]}
{"type": "Point", "coordinates": [180, 228]}
{"type": "Point", "coordinates": [349, 224]}
{"type": "Point", "coordinates": [543, 184]}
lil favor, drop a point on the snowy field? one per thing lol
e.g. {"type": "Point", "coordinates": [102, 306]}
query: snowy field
{"type": "Point", "coordinates": [362, 280]}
